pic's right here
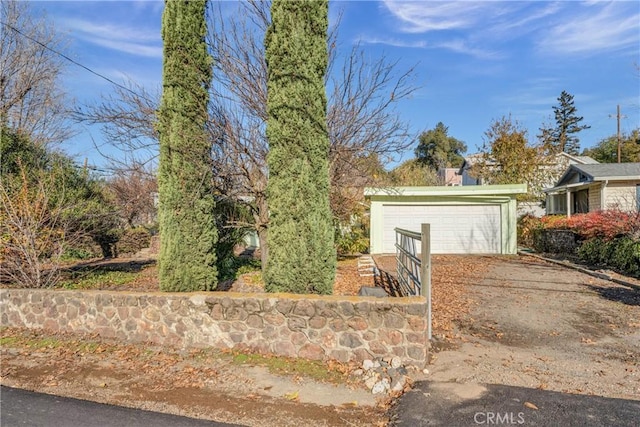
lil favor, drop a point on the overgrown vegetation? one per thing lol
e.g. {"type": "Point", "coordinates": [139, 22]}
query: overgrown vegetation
{"type": "Point", "coordinates": [49, 209]}
{"type": "Point", "coordinates": [608, 239]}
{"type": "Point", "coordinates": [354, 237]}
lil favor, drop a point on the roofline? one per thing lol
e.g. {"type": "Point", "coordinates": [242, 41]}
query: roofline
{"type": "Point", "coordinates": [615, 178]}
{"type": "Point", "coordinates": [566, 187]}
{"type": "Point", "coordinates": [474, 190]}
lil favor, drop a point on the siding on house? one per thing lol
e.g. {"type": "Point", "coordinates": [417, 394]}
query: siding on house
{"type": "Point", "coordinates": [595, 198]}
{"type": "Point", "coordinates": [621, 195]}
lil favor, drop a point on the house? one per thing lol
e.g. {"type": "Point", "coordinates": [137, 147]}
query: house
{"type": "Point", "coordinates": [548, 175]}
{"type": "Point", "coordinates": [449, 176]}
{"type": "Point", "coordinates": [591, 187]}
{"type": "Point", "coordinates": [467, 167]}
{"type": "Point", "coordinates": [556, 167]}
{"type": "Point", "coordinates": [464, 220]}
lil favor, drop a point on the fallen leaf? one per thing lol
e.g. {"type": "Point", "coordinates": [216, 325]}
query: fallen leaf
{"type": "Point", "coordinates": [292, 396]}
{"type": "Point", "coordinates": [530, 405]}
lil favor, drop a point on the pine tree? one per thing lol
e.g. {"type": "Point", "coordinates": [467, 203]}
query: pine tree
{"type": "Point", "coordinates": [302, 257]}
{"type": "Point", "coordinates": [562, 137]}
{"type": "Point", "coordinates": [188, 232]}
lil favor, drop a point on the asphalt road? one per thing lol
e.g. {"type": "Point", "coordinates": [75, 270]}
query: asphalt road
{"type": "Point", "coordinates": [25, 408]}
{"type": "Point", "coordinates": [461, 405]}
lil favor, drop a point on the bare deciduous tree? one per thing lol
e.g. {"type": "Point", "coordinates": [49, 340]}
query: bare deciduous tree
{"type": "Point", "coordinates": [364, 127]}
{"type": "Point", "coordinates": [128, 121]}
{"type": "Point", "coordinates": [133, 194]}
{"type": "Point", "coordinates": [31, 97]}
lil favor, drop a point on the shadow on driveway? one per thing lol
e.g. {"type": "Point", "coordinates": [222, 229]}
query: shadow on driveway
{"type": "Point", "coordinates": [624, 295]}
{"type": "Point", "coordinates": [455, 404]}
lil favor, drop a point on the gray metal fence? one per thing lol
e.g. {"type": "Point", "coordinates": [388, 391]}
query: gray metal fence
{"type": "Point", "coordinates": [413, 266]}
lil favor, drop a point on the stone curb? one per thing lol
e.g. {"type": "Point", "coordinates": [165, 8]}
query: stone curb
{"type": "Point", "coordinates": [592, 273]}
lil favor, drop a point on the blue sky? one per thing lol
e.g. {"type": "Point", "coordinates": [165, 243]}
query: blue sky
{"type": "Point", "coordinates": [476, 61]}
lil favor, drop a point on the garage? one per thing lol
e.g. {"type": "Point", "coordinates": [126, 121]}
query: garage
{"type": "Point", "coordinates": [463, 220]}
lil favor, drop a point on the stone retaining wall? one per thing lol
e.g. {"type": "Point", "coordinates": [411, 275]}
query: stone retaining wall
{"type": "Point", "coordinates": [313, 327]}
{"type": "Point", "coordinates": [555, 241]}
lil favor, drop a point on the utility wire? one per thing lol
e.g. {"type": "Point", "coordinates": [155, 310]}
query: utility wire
{"type": "Point", "coordinates": [73, 61]}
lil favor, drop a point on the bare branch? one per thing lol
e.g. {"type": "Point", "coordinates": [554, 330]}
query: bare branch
{"type": "Point", "coordinates": [31, 97]}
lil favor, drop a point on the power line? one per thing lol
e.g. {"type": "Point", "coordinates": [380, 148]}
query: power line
{"type": "Point", "coordinates": [62, 55]}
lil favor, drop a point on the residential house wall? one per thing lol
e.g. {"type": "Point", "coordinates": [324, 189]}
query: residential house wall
{"type": "Point", "coordinates": [621, 195]}
{"type": "Point", "coordinates": [595, 198]}
{"type": "Point", "coordinates": [593, 187]}
{"type": "Point", "coordinates": [449, 176]}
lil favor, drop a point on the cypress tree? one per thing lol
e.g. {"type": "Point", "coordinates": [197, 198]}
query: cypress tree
{"type": "Point", "coordinates": [302, 257]}
{"type": "Point", "coordinates": [188, 232]}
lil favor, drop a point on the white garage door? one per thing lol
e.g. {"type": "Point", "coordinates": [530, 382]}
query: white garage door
{"type": "Point", "coordinates": [454, 229]}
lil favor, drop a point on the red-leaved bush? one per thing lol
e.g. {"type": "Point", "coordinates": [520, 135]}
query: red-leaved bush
{"type": "Point", "coordinates": [605, 225]}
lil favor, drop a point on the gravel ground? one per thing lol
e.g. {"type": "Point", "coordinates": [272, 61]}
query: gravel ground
{"type": "Point", "coordinates": [539, 325]}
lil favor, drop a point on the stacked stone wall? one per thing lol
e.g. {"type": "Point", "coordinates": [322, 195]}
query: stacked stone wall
{"type": "Point", "coordinates": [313, 327]}
{"type": "Point", "coordinates": [556, 241]}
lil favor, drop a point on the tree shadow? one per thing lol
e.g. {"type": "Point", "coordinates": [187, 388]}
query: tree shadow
{"type": "Point", "coordinates": [388, 282]}
{"type": "Point", "coordinates": [624, 295]}
{"type": "Point", "coordinates": [130, 266]}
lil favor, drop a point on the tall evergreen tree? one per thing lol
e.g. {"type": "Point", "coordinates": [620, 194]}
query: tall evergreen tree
{"type": "Point", "coordinates": [188, 232]}
{"type": "Point", "coordinates": [302, 257]}
{"type": "Point", "coordinates": [563, 137]}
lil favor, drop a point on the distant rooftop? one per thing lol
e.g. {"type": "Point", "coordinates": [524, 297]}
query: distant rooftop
{"type": "Point", "coordinates": [610, 170]}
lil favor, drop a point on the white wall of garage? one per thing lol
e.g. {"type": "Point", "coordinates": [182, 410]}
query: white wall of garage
{"type": "Point", "coordinates": [464, 220]}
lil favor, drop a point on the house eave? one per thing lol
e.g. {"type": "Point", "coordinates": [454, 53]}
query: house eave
{"type": "Point", "coordinates": [567, 187]}
{"type": "Point", "coordinates": [481, 190]}
{"type": "Point", "coordinates": [617, 178]}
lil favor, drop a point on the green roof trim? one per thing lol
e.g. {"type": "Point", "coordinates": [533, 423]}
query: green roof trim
{"type": "Point", "coordinates": [464, 190]}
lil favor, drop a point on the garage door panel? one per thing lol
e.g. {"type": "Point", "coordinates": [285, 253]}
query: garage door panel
{"type": "Point", "coordinates": [454, 229]}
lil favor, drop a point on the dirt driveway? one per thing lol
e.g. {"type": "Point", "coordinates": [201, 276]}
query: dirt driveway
{"type": "Point", "coordinates": [535, 324]}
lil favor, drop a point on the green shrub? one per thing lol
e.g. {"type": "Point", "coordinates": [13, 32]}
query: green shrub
{"type": "Point", "coordinates": [352, 242]}
{"type": "Point", "coordinates": [133, 240]}
{"type": "Point", "coordinates": [621, 254]}
{"type": "Point", "coordinates": [233, 266]}
{"type": "Point", "coordinates": [625, 256]}
{"type": "Point", "coordinates": [70, 254]}
{"type": "Point", "coordinates": [590, 251]}
{"type": "Point", "coordinates": [83, 247]}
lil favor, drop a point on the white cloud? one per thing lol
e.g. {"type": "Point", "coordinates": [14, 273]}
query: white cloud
{"type": "Point", "coordinates": [458, 46]}
{"type": "Point", "coordinates": [391, 42]}
{"type": "Point", "coordinates": [601, 27]}
{"type": "Point", "coordinates": [119, 38]}
{"type": "Point", "coordinates": [424, 16]}
{"type": "Point", "coordinates": [463, 47]}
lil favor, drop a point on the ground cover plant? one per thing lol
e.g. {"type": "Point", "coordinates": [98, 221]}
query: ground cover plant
{"type": "Point", "coordinates": [609, 238]}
